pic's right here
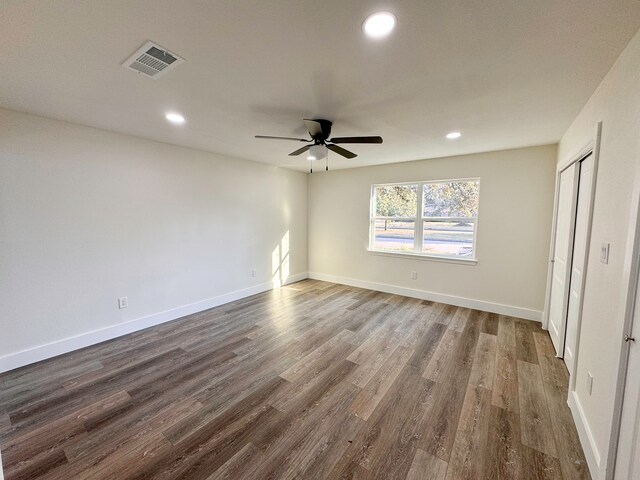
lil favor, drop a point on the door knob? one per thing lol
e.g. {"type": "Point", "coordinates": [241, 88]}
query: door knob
{"type": "Point", "coordinates": [627, 338]}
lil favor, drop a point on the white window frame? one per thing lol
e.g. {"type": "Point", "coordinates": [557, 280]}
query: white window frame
{"type": "Point", "coordinates": [419, 220]}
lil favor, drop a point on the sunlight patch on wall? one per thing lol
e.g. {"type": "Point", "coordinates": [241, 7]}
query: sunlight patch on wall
{"type": "Point", "coordinates": [275, 267]}
{"type": "Point", "coordinates": [280, 262]}
{"type": "Point", "coordinates": [284, 247]}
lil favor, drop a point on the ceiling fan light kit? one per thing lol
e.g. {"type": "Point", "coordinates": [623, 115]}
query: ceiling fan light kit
{"type": "Point", "coordinates": [319, 144]}
{"type": "Point", "coordinates": [317, 152]}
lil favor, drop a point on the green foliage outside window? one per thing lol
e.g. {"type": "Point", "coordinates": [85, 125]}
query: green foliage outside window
{"type": "Point", "coordinates": [452, 199]}
{"type": "Point", "coordinates": [396, 201]}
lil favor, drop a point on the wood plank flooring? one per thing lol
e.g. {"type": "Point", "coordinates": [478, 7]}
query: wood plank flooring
{"type": "Point", "coordinates": [312, 381]}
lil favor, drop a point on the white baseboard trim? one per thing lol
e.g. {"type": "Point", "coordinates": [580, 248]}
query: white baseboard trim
{"type": "Point", "coordinates": [434, 297]}
{"type": "Point", "coordinates": [66, 345]}
{"type": "Point", "coordinates": [589, 447]}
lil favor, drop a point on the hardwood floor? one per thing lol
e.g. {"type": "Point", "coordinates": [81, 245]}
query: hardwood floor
{"type": "Point", "coordinates": [313, 380]}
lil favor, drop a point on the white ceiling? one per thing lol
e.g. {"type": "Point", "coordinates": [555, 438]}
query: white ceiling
{"type": "Point", "coordinates": [507, 73]}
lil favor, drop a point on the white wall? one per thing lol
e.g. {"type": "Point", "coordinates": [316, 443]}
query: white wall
{"type": "Point", "coordinates": [616, 103]}
{"type": "Point", "coordinates": [516, 203]}
{"type": "Point", "coordinates": [87, 216]}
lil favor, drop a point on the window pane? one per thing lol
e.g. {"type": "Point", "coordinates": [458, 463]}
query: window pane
{"type": "Point", "coordinates": [396, 201]}
{"type": "Point", "coordinates": [394, 235]}
{"type": "Point", "coordinates": [453, 239]}
{"type": "Point", "coordinates": [451, 199]}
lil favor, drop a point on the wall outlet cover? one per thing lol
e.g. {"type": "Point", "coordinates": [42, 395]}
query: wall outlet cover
{"type": "Point", "coordinates": [123, 302]}
{"type": "Point", "coordinates": [604, 253]}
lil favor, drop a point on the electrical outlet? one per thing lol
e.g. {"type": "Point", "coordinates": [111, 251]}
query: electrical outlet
{"type": "Point", "coordinates": [253, 274]}
{"type": "Point", "coordinates": [414, 275]}
{"type": "Point", "coordinates": [589, 382]}
{"type": "Point", "coordinates": [123, 302]}
{"type": "Point", "coordinates": [604, 253]}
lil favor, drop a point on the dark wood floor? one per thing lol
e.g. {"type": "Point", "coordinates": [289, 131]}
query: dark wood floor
{"type": "Point", "coordinates": [313, 380]}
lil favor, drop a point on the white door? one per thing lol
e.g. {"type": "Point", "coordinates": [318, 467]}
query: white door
{"type": "Point", "coordinates": [562, 250]}
{"type": "Point", "coordinates": [628, 456]}
{"type": "Point", "coordinates": [579, 260]}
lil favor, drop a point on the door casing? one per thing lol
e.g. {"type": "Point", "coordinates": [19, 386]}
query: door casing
{"type": "Point", "coordinates": [592, 148]}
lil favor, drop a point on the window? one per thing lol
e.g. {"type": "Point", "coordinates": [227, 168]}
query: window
{"type": "Point", "coordinates": [437, 219]}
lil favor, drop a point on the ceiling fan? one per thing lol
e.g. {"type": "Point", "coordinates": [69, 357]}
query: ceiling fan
{"type": "Point", "coordinates": [320, 131]}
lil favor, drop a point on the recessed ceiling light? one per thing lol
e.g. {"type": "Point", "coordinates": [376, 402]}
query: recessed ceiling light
{"type": "Point", "coordinates": [175, 118]}
{"type": "Point", "coordinates": [454, 135]}
{"type": "Point", "coordinates": [380, 24]}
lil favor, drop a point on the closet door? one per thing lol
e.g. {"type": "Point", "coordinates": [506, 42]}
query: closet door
{"type": "Point", "coordinates": [562, 253]}
{"type": "Point", "coordinates": [579, 261]}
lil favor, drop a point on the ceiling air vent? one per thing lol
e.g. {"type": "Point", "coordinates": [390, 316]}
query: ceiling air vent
{"type": "Point", "coordinates": [152, 60]}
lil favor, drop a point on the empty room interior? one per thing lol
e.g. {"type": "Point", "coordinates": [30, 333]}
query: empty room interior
{"type": "Point", "coordinates": [319, 240]}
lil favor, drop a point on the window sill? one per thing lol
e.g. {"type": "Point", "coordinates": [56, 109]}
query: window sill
{"type": "Point", "coordinates": [433, 258]}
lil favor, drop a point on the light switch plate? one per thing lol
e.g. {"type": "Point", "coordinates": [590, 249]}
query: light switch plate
{"type": "Point", "coordinates": [604, 253]}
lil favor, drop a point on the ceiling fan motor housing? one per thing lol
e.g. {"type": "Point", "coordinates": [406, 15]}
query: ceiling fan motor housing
{"type": "Point", "coordinates": [319, 129]}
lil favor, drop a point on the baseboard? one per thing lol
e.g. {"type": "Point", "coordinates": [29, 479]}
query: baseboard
{"type": "Point", "coordinates": [589, 447]}
{"type": "Point", "coordinates": [434, 297]}
{"type": "Point", "coordinates": [53, 349]}
{"type": "Point", "coordinates": [59, 347]}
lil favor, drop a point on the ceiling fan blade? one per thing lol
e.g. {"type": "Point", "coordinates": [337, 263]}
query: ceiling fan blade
{"type": "Point", "coordinates": [313, 126]}
{"type": "Point", "coordinates": [300, 150]}
{"type": "Point", "coordinates": [341, 151]}
{"type": "Point", "coordinates": [375, 139]}
{"type": "Point", "coordinates": [283, 138]}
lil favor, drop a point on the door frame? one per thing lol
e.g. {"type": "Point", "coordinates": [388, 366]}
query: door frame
{"type": "Point", "coordinates": [592, 148]}
{"type": "Point", "coordinates": [628, 299]}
